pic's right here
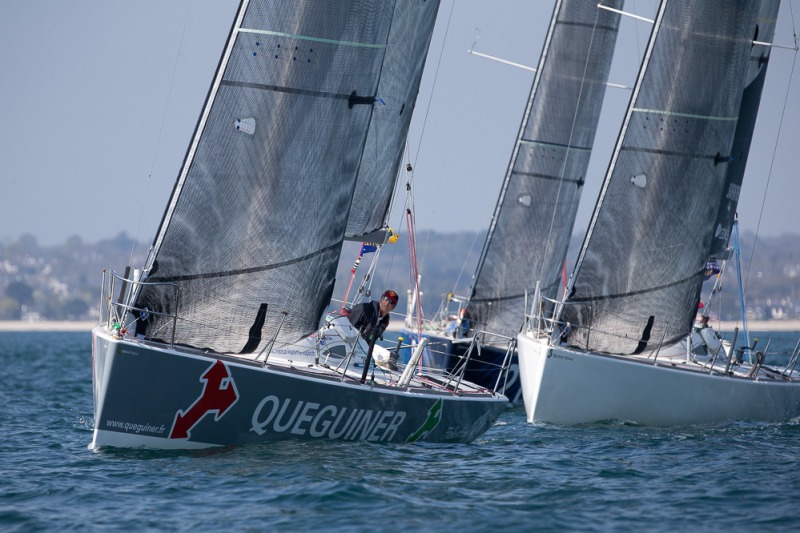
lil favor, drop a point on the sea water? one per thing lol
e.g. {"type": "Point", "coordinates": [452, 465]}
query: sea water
{"type": "Point", "coordinates": [518, 477]}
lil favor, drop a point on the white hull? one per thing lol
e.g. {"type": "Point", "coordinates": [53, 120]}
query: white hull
{"type": "Point", "coordinates": [561, 385]}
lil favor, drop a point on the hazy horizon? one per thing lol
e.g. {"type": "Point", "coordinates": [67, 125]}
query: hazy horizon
{"type": "Point", "coordinates": [98, 114]}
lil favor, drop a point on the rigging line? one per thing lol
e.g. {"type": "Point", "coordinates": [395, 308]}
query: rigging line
{"type": "Point", "coordinates": [427, 112]}
{"type": "Point", "coordinates": [433, 86]}
{"type": "Point", "coordinates": [393, 251]}
{"type": "Point", "coordinates": [625, 13]}
{"type": "Point", "coordinates": [771, 166]}
{"type": "Point", "coordinates": [466, 260]}
{"type": "Point", "coordinates": [636, 30]}
{"type": "Point", "coordinates": [399, 226]}
{"type": "Point", "coordinates": [160, 130]}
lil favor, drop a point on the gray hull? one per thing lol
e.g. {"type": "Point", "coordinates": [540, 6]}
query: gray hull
{"type": "Point", "coordinates": [146, 396]}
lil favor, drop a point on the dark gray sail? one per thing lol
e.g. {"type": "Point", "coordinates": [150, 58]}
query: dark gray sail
{"type": "Point", "coordinates": [409, 39]}
{"type": "Point", "coordinates": [640, 269]}
{"type": "Point", "coordinates": [257, 218]}
{"type": "Point", "coordinates": [535, 213]}
{"type": "Point", "coordinates": [748, 111]}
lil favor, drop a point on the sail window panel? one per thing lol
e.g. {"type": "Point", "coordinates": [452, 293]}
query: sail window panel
{"type": "Point", "coordinates": [406, 51]}
{"type": "Point", "coordinates": [641, 268]}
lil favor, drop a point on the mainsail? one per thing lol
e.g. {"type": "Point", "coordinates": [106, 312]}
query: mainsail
{"type": "Point", "coordinates": [641, 266]}
{"type": "Point", "coordinates": [535, 213]}
{"type": "Point", "coordinates": [398, 86]}
{"type": "Point", "coordinates": [748, 111]}
{"type": "Point", "coordinates": [255, 225]}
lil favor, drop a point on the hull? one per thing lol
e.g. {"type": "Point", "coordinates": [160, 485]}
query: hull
{"type": "Point", "coordinates": [565, 386]}
{"type": "Point", "coordinates": [484, 369]}
{"type": "Point", "coordinates": [154, 397]}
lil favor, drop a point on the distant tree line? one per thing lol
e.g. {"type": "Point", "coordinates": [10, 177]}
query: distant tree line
{"type": "Point", "coordinates": [62, 282]}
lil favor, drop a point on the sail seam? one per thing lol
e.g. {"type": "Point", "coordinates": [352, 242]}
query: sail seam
{"type": "Point", "coordinates": [263, 268]}
{"type": "Point", "coordinates": [512, 297]}
{"type": "Point", "coordinates": [308, 38]}
{"type": "Point", "coordinates": [683, 115]}
{"type": "Point", "coordinates": [636, 293]}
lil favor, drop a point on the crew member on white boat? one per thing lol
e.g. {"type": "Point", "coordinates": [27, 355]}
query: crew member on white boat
{"type": "Point", "coordinates": [703, 324]}
{"type": "Point", "coordinates": [372, 318]}
{"type": "Point", "coordinates": [566, 329]}
{"type": "Point", "coordinates": [459, 327]}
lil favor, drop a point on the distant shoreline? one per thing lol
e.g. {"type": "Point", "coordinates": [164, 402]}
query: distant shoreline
{"type": "Point", "coordinates": [759, 325]}
{"type": "Point", "coordinates": [87, 325]}
{"type": "Point", "coordinates": [46, 325]}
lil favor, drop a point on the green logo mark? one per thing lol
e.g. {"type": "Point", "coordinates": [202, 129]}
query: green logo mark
{"type": "Point", "coordinates": [434, 417]}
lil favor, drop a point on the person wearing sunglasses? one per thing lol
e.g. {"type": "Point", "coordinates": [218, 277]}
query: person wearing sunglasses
{"type": "Point", "coordinates": [372, 318]}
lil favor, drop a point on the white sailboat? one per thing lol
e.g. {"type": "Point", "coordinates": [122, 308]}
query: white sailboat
{"type": "Point", "coordinates": [535, 213]}
{"type": "Point", "coordinates": [618, 347]}
{"type": "Point", "coordinates": [215, 341]}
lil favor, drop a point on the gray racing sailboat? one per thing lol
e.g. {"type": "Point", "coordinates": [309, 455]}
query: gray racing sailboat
{"type": "Point", "coordinates": [219, 339]}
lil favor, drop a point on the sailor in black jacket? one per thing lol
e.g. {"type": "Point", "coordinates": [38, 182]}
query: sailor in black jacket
{"type": "Point", "coordinates": [372, 318]}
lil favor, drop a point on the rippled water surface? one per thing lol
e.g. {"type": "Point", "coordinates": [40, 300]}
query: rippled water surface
{"type": "Point", "coordinates": [613, 476]}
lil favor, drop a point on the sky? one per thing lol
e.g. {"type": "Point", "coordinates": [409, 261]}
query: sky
{"type": "Point", "coordinates": [99, 99]}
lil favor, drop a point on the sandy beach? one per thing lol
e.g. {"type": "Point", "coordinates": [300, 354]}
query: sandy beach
{"type": "Point", "coordinates": [45, 325]}
{"type": "Point", "coordinates": [760, 325]}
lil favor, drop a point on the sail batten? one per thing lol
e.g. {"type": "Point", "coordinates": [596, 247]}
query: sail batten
{"type": "Point", "coordinates": [289, 90]}
{"type": "Point", "coordinates": [549, 144]}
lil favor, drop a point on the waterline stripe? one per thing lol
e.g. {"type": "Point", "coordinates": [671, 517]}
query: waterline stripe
{"type": "Point", "coordinates": [685, 115]}
{"type": "Point", "coordinates": [306, 38]}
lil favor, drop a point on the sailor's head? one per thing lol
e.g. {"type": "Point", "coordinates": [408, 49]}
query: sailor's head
{"type": "Point", "coordinates": [391, 297]}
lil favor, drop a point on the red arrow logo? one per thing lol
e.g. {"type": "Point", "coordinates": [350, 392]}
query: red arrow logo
{"type": "Point", "coordinates": [219, 394]}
